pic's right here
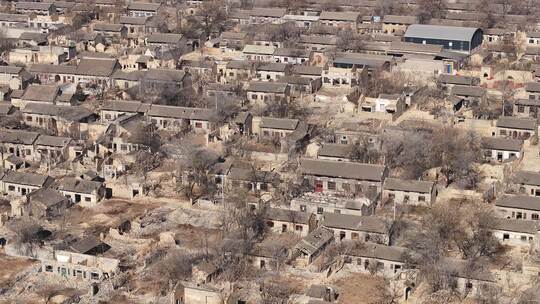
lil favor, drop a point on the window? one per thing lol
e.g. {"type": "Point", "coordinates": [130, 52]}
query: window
{"type": "Point", "coordinates": [506, 236]}
{"type": "Point", "coordinates": [331, 186]}
{"type": "Point", "coordinates": [320, 210]}
{"type": "Point", "coordinates": [299, 228]}
{"type": "Point", "coordinates": [198, 125]}
{"type": "Point", "coordinates": [270, 224]}
{"type": "Point", "coordinates": [523, 238]}
{"type": "Point", "coordinates": [346, 187]}
{"type": "Point", "coordinates": [254, 96]}
{"type": "Point", "coordinates": [421, 198]}
{"type": "Point", "coordinates": [534, 216]}
{"type": "Point", "coordinates": [521, 109]}
{"type": "Point", "coordinates": [28, 118]}
{"type": "Point", "coordinates": [391, 195]}
{"type": "Point", "coordinates": [503, 132]}
{"type": "Point", "coordinates": [87, 199]}
{"type": "Point", "coordinates": [354, 236]}
{"type": "Point", "coordinates": [11, 188]}
{"type": "Point", "coordinates": [303, 208]}
{"type": "Point", "coordinates": [48, 268]}
{"type": "Point", "coordinates": [337, 211]}
{"type": "Point", "coordinates": [94, 276]}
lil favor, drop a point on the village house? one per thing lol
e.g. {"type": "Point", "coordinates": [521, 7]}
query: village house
{"type": "Point", "coordinates": [259, 52]}
{"type": "Point", "coordinates": [166, 40]}
{"type": "Point", "coordinates": [341, 20]}
{"type": "Point", "coordinates": [12, 20]}
{"type": "Point", "coordinates": [17, 78]}
{"type": "Point", "coordinates": [233, 40]}
{"type": "Point", "coordinates": [251, 179]}
{"type": "Point", "coordinates": [113, 33]}
{"type": "Point", "coordinates": [22, 183]}
{"type": "Point", "coordinates": [319, 203]}
{"type": "Point", "coordinates": [45, 54]}
{"type": "Point", "coordinates": [143, 9]}
{"type": "Point", "coordinates": [18, 143]}
{"type": "Point", "coordinates": [271, 71]}
{"type": "Point", "coordinates": [264, 39]}
{"type": "Point", "coordinates": [526, 108]}
{"type": "Point", "coordinates": [393, 104]}
{"type": "Point", "coordinates": [356, 228]}
{"type": "Point", "coordinates": [346, 177]}
{"type": "Point", "coordinates": [291, 56]}
{"type": "Point", "coordinates": [515, 232]}
{"type": "Point", "coordinates": [237, 70]}
{"type": "Point", "coordinates": [533, 38]}
{"type": "Point", "coordinates": [78, 266]}
{"type": "Point", "coordinates": [44, 203]}
{"type": "Point", "coordinates": [306, 71]}
{"type": "Point", "coordinates": [516, 127]}
{"type": "Point", "coordinates": [113, 109]}
{"type": "Point", "coordinates": [336, 152]}
{"type": "Point", "coordinates": [532, 90]}
{"type": "Point", "coordinates": [397, 25]}
{"type": "Point", "coordinates": [311, 246]}
{"type": "Point", "coordinates": [382, 260]}
{"type": "Point", "coordinates": [37, 93]}
{"type": "Point", "coordinates": [470, 94]}
{"type": "Point", "coordinates": [471, 283]}
{"type": "Point", "coordinates": [302, 85]}
{"type": "Point", "coordinates": [79, 190]}
{"type": "Point", "coordinates": [290, 221]}
{"type": "Point", "coordinates": [52, 149]}
{"type": "Point", "coordinates": [411, 192]}
{"type": "Point", "coordinates": [527, 182]}
{"type": "Point", "coordinates": [520, 207]}
{"type": "Point", "coordinates": [502, 149]}
{"type": "Point", "coordinates": [63, 120]}
{"type": "Point", "coordinates": [179, 118]}
{"type": "Point", "coordinates": [301, 21]}
{"type": "Point", "coordinates": [188, 292]}
{"type": "Point", "coordinates": [260, 92]}
{"type": "Point", "coordinates": [266, 15]}
{"type": "Point", "coordinates": [318, 43]}
{"type": "Point", "coordinates": [38, 8]}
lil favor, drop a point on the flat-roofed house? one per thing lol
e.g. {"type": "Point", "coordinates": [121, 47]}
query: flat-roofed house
{"type": "Point", "coordinates": [502, 149]}
{"type": "Point", "coordinates": [22, 183]}
{"type": "Point", "coordinates": [411, 192]}
{"type": "Point", "coordinates": [520, 207]}
{"type": "Point", "coordinates": [290, 221]}
{"type": "Point", "coordinates": [319, 203]}
{"type": "Point", "coordinates": [516, 127]}
{"type": "Point", "coordinates": [356, 228]}
{"type": "Point", "coordinates": [453, 38]}
{"type": "Point", "coordinates": [527, 182]}
{"type": "Point", "coordinates": [347, 177]}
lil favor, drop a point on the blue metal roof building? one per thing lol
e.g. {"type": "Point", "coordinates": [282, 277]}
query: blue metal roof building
{"type": "Point", "coordinates": [455, 38]}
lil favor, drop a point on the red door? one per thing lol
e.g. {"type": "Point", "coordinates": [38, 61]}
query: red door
{"type": "Point", "coordinates": [318, 187]}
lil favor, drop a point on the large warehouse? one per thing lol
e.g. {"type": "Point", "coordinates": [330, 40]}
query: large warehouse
{"type": "Point", "coordinates": [455, 38]}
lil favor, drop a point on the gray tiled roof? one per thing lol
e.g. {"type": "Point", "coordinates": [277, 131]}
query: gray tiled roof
{"type": "Point", "coordinates": [408, 185]}
{"type": "Point", "coordinates": [23, 178]}
{"type": "Point", "coordinates": [96, 67]}
{"type": "Point", "coordinates": [339, 16]}
{"type": "Point", "coordinates": [378, 251]}
{"type": "Point", "coordinates": [502, 143]}
{"type": "Point", "coordinates": [72, 184]}
{"type": "Point", "coordinates": [523, 123]}
{"type": "Point", "coordinates": [181, 112]}
{"type": "Point", "coordinates": [347, 170]}
{"type": "Point", "coordinates": [527, 178]}
{"type": "Point", "coordinates": [18, 137]}
{"type": "Point", "coordinates": [515, 225]}
{"type": "Point", "coordinates": [267, 87]}
{"type": "Point", "coordinates": [285, 215]}
{"type": "Point", "coordinates": [54, 141]}
{"type": "Point", "coordinates": [43, 93]}
{"type": "Point", "coordinates": [336, 150]}
{"type": "Point", "coordinates": [143, 6]}
{"type": "Point", "coordinates": [279, 123]}
{"type": "Point", "coordinates": [354, 222]}
{"type": "Point", "coordinates": [519, 202]}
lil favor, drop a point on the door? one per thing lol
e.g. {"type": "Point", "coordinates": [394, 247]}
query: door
{"type": "Point", "coordinates": [318, 186]}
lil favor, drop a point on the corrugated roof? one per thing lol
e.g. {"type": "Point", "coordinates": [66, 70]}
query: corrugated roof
{"type": "Point", "coordinates": [440, 32]}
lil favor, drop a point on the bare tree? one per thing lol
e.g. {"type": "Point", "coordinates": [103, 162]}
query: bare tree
{"type": "Point", "coordinates": [428, 9]}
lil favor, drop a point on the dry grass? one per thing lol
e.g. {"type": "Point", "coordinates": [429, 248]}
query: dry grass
{"type": "Point", "coordinates": [360, 288]}
{"type": "Point", "coordinates": [11, 266]}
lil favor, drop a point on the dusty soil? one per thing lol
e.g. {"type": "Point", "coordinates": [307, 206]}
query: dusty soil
{"type": "Point", "coordinates": [11, 266]}
{"type": "Point", "coordinates": [360, 288]}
